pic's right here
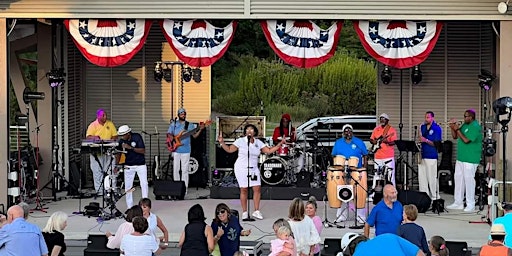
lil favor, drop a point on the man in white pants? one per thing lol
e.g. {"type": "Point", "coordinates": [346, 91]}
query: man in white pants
{"type": "Point", "coordinates": [469, 152]}
{"type": "Point", "coordinates": [181, 129]}
{"type": "Point", "coordinates": [430, 136]}
{"type": "Point", "coordinates": [135, 162]}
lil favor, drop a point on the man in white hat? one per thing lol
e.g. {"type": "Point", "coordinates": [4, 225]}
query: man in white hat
{"type": "Point", "coordinates": [179, 131]}
{"type": "Point", "coordinates": [349, 146]}
{"type": "Point", "coordinates": [495, 246]}
{"type": "Point", "coordinates": [383, 140]}
{"type": "Point", "coordinates": [134, 163]}
{"type": "Point", "coordinates": [100, 129]}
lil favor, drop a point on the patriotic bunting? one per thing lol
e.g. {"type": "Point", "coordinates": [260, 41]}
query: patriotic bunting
{"type": "Point", "coordinates": [399, 44]}
{"type": "Point", "coordinates": [301, 43]}
{"type": "Point", "coordinates": [108, 43]}
{"type": "Point", "coordinates": [197, 42]}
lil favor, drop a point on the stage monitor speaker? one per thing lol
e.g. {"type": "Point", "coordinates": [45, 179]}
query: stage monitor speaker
{"type": "Point", "coordinates": [420, 199]}
{"type": "Point", "coordinates": [169, 189]}
{"type": "Point", "coordinates": [331, 246]}
{"type": "Point", "coordinates": [304, 179]}
{"type": "Point", "coordinates": [458, 248]}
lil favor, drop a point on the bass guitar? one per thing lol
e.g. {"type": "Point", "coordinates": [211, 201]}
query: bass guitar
{"type": "Point", "coordinates": [378, 142]}
{"type": "Point", "coordinates": [175, 142]}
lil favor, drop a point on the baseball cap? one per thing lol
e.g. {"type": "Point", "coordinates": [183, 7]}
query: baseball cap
{"type": "Point", "coordinates": [498, 229]}
{"type": "Point", "coordinates": [123, 129]}
{"type": "Point", "coordinates": [347, 126]}
{"type": "Point", "coordinates": [181, 110]}
{"type": "Point", "coordinates": [384, 115]}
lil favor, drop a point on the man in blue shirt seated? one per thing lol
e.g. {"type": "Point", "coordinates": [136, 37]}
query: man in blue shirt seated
{"type": "Point", "coordinates": [387, 215]}
{"type": "Point", "coordinates": [19, 237]}
{"type": "Point", "coordinates": [506, 220]}
{"type": "Point", "coordinates": [353, 244]}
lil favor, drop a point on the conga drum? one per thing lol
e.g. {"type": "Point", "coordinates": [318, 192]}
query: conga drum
{"type": "Point", "coordinates": [361, 177]}
{"type": "Point", "coordinates": [334, 178]}
{"type": "Point", "coordinates": [339, 160]}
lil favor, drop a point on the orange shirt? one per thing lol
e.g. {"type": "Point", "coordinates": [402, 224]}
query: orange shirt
{"type": "Point", "coordinates": [385, 150]}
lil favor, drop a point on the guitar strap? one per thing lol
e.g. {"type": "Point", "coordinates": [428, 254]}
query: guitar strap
{"type": "Point", "coordinates": [186, 126]}
{"type": "Point", "coordinates": [386, 129]}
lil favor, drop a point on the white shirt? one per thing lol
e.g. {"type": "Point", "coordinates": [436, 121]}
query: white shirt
{"type": "Point", "coordinates": [143, 245]}
{"type": "Point", "coordinates": [305, 234]}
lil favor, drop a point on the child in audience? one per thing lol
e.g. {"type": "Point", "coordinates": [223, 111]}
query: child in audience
{"type": "Point", "coordinates": [411, 231]}
{"type": "Point", "coordinates": [437, 246]}
{"type": "Point", "coordinates": [282, 242]}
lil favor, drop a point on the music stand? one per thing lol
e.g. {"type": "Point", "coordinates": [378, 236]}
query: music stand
{"type": "Point", "coordinates": [406, 146]}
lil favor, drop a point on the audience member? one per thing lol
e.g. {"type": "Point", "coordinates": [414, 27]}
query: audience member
{"type": "Point", "coordinates": [153, 221]}
{"type": "Point", "coordinates": [282, 242]}
{"type": "Point", "coordinates": [311, 207]}
{"type": "Point", "coordinates": [197, 238]}
{"type": "Point", "coordinates": [52, 233]}
{"type": "Point", "coordinates": [114, 241]}
{"type": "Point", "coordinates": [353, 244]}
{"type": "Point", "coordinates": [19, 237]}
{"type": "Point", "coordinates": [26, 209]}
{"type": "Point", "coordinates": [138, 243]}
{"type": "Point", "coordinates": [506, 221]}
{"type": "Point", "coordinates": [291, 241]}
{"type": "Point", "coordinates": [304, 230]}
{"type": "Point", "coordinates": [495, 247]}
{"type": "Point", "coordinates": [386, 216]}
{"type": "Point", "coordinates": [412, 231]}
{"type": "Point", "coordinates": [227, 230]}
{"type": "Point", "coordinates": [437, 246]}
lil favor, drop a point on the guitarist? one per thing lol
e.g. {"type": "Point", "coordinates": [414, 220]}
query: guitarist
{"type": "Point", "coordinates": [383, 138]}
{"type": "Point", "coordinates": [181, 156]}
{"type": "Point", "coordinates": [430, 136]}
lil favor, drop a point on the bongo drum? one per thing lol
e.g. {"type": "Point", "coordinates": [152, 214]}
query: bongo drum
{"type": "Point", "coordinates": [339, 160]}
{"type": "Point", "coordinates": [353, 162]}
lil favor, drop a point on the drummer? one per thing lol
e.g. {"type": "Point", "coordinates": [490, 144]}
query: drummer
{"type": "Point", "coordinates": [350, 146]}
{"type": "Point", "coordinates": [285, 129]}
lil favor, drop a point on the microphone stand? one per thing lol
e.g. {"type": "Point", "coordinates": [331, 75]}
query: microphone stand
{"type": "Point", "coordinates": [249, 218]}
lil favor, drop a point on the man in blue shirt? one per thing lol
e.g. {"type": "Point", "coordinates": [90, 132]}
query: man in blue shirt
{"type": "Point", "coordinates": [506, 220]}
{"type": "Point", "coordinates": [350, 146]}
{"type": "Point", "coordinates": [19, 237]}
{"type": "Point", "coordinates": [354, 244]}
{"type": "Point", "coordinates": [180, 131]}
{"type": "Point", "coordinates": [387, 215]}
{"type": "Point", "coordinates": [430, 136]}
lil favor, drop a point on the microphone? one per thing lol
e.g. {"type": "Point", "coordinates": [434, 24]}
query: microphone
{"type": "Point", "coordinates": [145, 132]}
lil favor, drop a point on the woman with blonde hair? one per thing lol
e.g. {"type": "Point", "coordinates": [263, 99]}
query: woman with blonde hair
{"type": "Point", "coordinates": [304, 230]}
{"type": "Point", "coordinates": [311, 207]}
{"type": "Point", "coordinates": [52, 233]}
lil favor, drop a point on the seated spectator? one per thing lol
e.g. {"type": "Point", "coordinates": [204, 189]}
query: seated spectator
{"type": "Point", "coordinates": [496, 247]}
{"type": "Point", "coordinates": [412, 231]}
{"type": "Point", "coordinates": [138, 243]}
{"type": "Point", "coordinates": [52, 233]}
{"type": "Point", "coordinates": [506, 221]}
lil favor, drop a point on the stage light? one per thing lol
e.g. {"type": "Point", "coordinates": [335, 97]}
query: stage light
{"type": "Point", "coordinates": [21, 118]}
{"type": "Point", "coordinates": [29, 96]}
{"type": "Point", "coordinates": [157, 73]}
{"type": "Point", "coordinates": [167, 73]}
{"type": "Point", "coordinates": [56, 77]}
{"type": "Point", "coordinates": [502, 105]}
{"type": "Point", "coordinates": [485, 79]}
{"type": "Point", "coordinates": [196, 75]}
{"type": "Point", "coordinates": [416, 75]}
{"type": "Point", "coordinates": [386, 75]}
{"type": "Point", "coordinates": [186, 74]}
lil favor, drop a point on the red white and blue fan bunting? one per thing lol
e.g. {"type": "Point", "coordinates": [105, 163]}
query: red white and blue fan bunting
{"type": "Point", "coordinates": [302, 43]}
{"type": "Point", "coordinates": [197, 42]}
{"type": "Point", "coordinates": [108, 43]}
{"type": "Point", "coordinates": [399, 44]}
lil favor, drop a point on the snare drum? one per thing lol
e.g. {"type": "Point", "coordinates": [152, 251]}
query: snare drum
{"type": "Point", "coordinates": [283, 150]}
{"type": "Point", "coordinates": [334, 178]}
{"type": "Point", "coordinates": [339, 160]}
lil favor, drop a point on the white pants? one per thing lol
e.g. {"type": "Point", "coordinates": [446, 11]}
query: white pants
{"type": "Point", "coordinates": [380, 163]}
{"type": "Point", "coordinates": [99, 168]}
{"type": "Point", "coordinates": [427, 177]}
{"type": "Point", "coordinates": [344, 209]}
{"type": "Point", "coordinates": [465, 180]}
{"type": "Point", "coordinates": [129, 176]}
{"type": "Point", "coordinates": [181, 160]}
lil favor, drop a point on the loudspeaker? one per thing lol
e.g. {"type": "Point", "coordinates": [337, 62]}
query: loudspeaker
{"type": "Point", "coordinates": [345, 193]}
{"type": "Point", "coordinates": [97, 245]}
{"type": "Point", "coordinates": [169, 189]}
{"type": "Point", "coordinates": [303, 179]}
{"type": "Point", "coordinates": [420, 199]}
{"type": "Point", "coordinates": [74, 180]}
{"type": "Point", "coordinates": [331, 246]}
{"type": "Point", "coordinates": [458, 248]}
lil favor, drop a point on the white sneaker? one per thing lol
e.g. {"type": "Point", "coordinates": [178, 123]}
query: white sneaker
{"type": "Point", "coordinates": [469, 209]}
{"type": "Point", "coordinates": [245, 215]}
{"type": "Point", "coordinates": [455, 206]}
{"type": "Point", "coordinates": [257, 215]}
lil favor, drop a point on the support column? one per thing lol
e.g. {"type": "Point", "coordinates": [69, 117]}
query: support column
{"type": "Point", "coordinates": [4, 113]}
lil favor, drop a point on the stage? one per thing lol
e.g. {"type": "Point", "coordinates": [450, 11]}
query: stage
{"type": "Point", "coordinates": [453, 226]}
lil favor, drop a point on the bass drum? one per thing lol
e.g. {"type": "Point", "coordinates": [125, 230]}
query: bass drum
{"type": "Point", "coordinates": [273, 170]}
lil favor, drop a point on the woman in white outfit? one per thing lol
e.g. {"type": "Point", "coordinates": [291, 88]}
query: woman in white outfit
{"type": "Point", "coordinates": [304, 230]}
{"type": "Point", "coordinates": [153, 221]}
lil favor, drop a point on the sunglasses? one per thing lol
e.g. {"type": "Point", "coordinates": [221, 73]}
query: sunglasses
{"type": "Point", "coordinates": [221, 212]}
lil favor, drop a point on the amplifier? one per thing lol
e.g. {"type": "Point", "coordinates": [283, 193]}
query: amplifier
{"type": "Point", "coordinates": [169, 189]}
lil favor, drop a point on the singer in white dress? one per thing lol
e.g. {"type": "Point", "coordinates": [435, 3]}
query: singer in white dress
{"type": "Point", "coordinates": [249, 148]}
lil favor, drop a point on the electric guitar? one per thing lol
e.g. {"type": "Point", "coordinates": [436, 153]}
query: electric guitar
{"type": "Point", "coordinates": [379, 141]}
{"type": "Point", "coordinates": [175, 142]}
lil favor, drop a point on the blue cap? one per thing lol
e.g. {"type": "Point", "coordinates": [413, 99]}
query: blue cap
{"type": "Point", "coordinates": [181, 111]}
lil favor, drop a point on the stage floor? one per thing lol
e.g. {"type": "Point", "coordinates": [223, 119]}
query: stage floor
{"type": "Point", "coordinates": [453, 226]}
